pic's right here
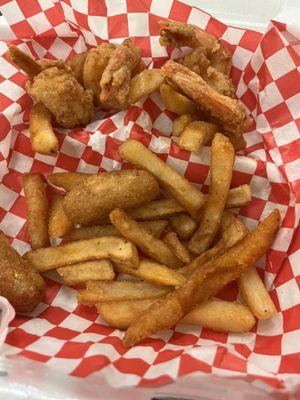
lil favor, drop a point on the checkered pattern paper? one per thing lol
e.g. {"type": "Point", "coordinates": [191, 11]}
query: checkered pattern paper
{"type": "Point", "coordinates": [266, 74]}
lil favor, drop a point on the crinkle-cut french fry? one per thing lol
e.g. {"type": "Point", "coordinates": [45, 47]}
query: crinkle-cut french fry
{"type": "Point", "coordinates": [239, 196]}
{"type": "Point", "coordinates": [59, 224]}
{"type": "Point", "coordinates": [215, 314]}
{"type": "Point", "coordinates": [37, 210]}
{"type": "Point", "coordinates": [177, 247]}
{"type": "Point", "coordinates": [222, 158]}
{"type": "Point", "coordinates": [196, 135]}
{"type": "Point", "coordinates": [86, 232]}
{"type": "Point", "coordinates": [204, 283]}
{"type": "Point", "coordinates": [181, 122]}
{"type": "Point", "coordinates": [156, 209]}
{"type": "Point", "coordinates": [98, 291]}
{"type": "Point", "coordinates": [230, 112]}
{"type": "Point", "coordinates": [67, 180]}
{"type": "Point", "coordinates": [143, 239]}
{"type": "Point", "coordinates": [183, 225]}
{"type": "Point", "coordinates": [115, 248]}
{"type": "Point", "coordinates": [24, 62]}
{"type": "Point", "coordinates": [181, 189]}
{"type": "Point", "coordinates": [42, 137]}
{"type": "Point", "coordinates": [255, 295]}
{"type": "Point", "coordinates": [176, 102]}
{"type": "Point", "coordinates": [144, 83]}
{"type": "Point", "coordinates": [153, 272]}
{"type": "Point", "coordinates": [95, 270]}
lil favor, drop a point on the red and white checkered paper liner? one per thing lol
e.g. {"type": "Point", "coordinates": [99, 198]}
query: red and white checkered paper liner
{"type": "Point", "coordinates": [265, 71]}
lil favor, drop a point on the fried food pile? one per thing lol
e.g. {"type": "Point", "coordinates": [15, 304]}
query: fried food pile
{"type": "Point", "coordinates": [196, 86]}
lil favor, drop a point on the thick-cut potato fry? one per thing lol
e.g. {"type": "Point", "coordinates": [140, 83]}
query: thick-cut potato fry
{"type": "Point", "coordinates": [183, 225]}
{"type": "Point", "coordinates": [98, 291]}
{"type": "Point", "coordinates": [144, 83]}
{"type": "Point", "coordinates": [176, 102]}
{"type": "Point", "coordinates": [255, 294]}
{"type": "Point", "coordinates": [196, 135]}
{"type": "Point", "coordinates": [230, 112]}
{"type": "Point", "coordinates": [93, 200]}
{"type": "Point", "coordinates": [95, 270]}
{"type": "Point", "coordinates": [156, 209]}
{"type": "Point", "coordinates": [222, 158]}
{"type": "Point", "coordinates": [42, 136]}
{"type": "Point", "coordinates": [177, 247]}
{"type": "Point", "coordinates": [76, 64]}
{"type": "Point", "coordinates": [37, 210]}
{"type": "Point", "coordinates": [180, 188]}
{"type": "Point", "coordinates": [239, 196]}
{"type": "Point", "coordinates": [181, 122]}
{"type": "Point", "coordinates": [23, 287]}
{"type": "Point", "coordinates": [153, 272]}
{"type": "Point", "coordinates": [59, 224]}
{"type": "Point", "coordinates": [67, 180]}
{"type": "Point", "coordinates": [143, 239]}
{"type": "Point", "coordinates": [115, 248]}
{"type": "Point", "coordinates": [24, 62]}
{"type": "Point", "coordinates": [215, 314]}
{"type": "Point", "coordinates": [87, 232]}
{"type": "Point", "coordinates": [205, 282]}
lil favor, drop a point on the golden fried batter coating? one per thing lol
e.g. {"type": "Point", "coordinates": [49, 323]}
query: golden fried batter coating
{"type": "Point", "coordinates": [77, 64]}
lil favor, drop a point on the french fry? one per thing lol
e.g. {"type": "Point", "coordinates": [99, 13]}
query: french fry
{"type": "Point", "coordinates": [67, 180]}
{"type": "Point", "coordinates": [24, 62]}
{"type": "Point", "coordinates": [196, 135]}
{"type": "Point", "coordinates": [239, 196]}
{"type": "Point", "coordinates": [42, 137]}
{"type": "Point", "coordinates": [117, 249]}
{"type": "Point", "coordinates": [86, 232]}
{"type": "Point", "coordinates": [215, 314]}
{"type": "Point", "coordinates": [153, 272]}
{"type": "Point", "coordinates": [255, 294]}
{"type": "Point", "coordinates": [93, 200]}
{"type": "Point", "coordinates": [143, 239]}
{"type": "Point", "coordinates": [59, 224]}
{"type": "Point", "coordinates": [222, 158]}
{"type": "Point", "coordinates": [37, 210]}
{"type": "Point", "coordinates": [181, 122]}
{"type": "Point", "coordinates": [183, 225]}
{"type": "Point", "coordinates": [180, 188]}
{"type": "Point", "coordinates": [144, 83]}
{"type": "Point", "coordinates": [156, 209]}
{"type": "Point", "coordinates": [98, 291]}
{"type": "Point", "coordinates": [86, 271]}
{"type": "Point", "coordinates": [176, 102]}
{"type": "Point", "coordinates": [177, 247]}
{"type": "Point", "coordinates": [204, 283]}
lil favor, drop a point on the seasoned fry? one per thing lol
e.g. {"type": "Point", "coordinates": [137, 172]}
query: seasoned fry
{"type": "Point", "coordinates": [196, 135]}
{"type": "Point", "coordinates": [97, 291]}
{"type": "Point", "coordinates": [117, 249]}
{"type": "Point", "coordinates": [87, 232]}
{"type": "Point", "coordinates": [215, 314]}
{"type": "Point", "coordinates": [183, 225]}
{"type": "Point", "coordinates": [76, 274]}
{"type": "Point", "coordinates": [59, 224]}
{"type": "Point", "coordinates": [24, 62]}
{"type": "Point", "coordinates": [181, 122]}
{"type": "Point", "coordinates": [144, 83]}
{"type": "Point", "coordinates": [230, 112]}
{"type": "Point", "coordinates": [23, 287]}
{"type": "Point", "coordinates": [143, 239]}
{"type": "Point", "coordinates": [221, 60]}
{"type": "Point", "coordinates": [155, 209]}
{"type": "Point", "coordinates": [222, 158]}
{"type": "Point", "coordinates": [76, 64]}
{"type": "Point", "coordinates": [180, 188]}
{"type": "Point", "coordinates": [37, 210]}
{"type": "Point", "coordinates": [153, 272]}
{"type": "Point", "coordinates": [239, 196]}
{"type": "Point", "coordinates": [42, 136]}
{"type": "Point", "coordinates": [67, 180]}
{"type": "Point", "coordinates": [255, 294]}
{"type": "Point", "coordinates": [176, 102]}
{"type": "Point", "coordinates": [204, 283]}
{"type": "Point", "coordinates": [93, 200]}
{"type": "Point", "coordinates": [177, 247]}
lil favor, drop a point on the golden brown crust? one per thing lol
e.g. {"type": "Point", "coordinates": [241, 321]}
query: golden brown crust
{"type": "Point", "coordinates": [76, 64]}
